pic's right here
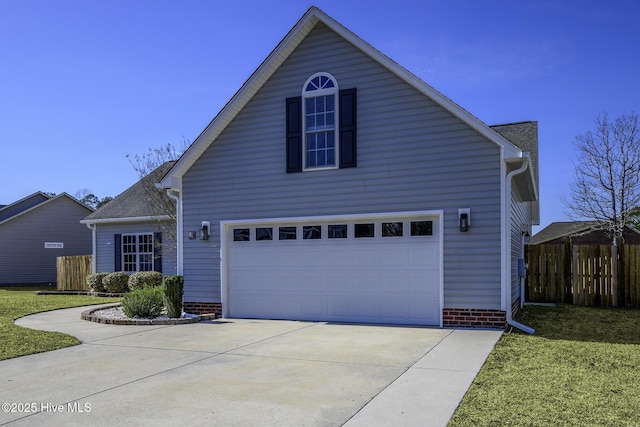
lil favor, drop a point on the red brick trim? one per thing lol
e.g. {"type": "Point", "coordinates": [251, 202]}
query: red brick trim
{"type": "Point", "coordinates": [473, 318]}
{"type": "Point", "coordinates": [203, 308]}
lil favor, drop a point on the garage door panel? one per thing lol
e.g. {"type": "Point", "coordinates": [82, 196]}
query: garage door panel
{"type": "Point", "coordinates": [337, 257]}
{"type": "Point", "coordinates": [379, 279]}
{"type": "Point", "coordinates": [366, 257]}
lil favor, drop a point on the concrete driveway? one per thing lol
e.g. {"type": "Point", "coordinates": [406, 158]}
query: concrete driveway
{"type": "Point", "coordinates": [237, 372]}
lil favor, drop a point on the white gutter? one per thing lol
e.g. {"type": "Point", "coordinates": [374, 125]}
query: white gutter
{"type": "Point", "coordinates": [506, 278]}
{"type": "Point", "coordinates": [128, 219]}
{"type": "Point", "coordinates": [177, 196]}
{"type": "Point", "coordinates": [94, 246]}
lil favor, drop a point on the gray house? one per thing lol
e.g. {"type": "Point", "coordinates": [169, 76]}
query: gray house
{"type": "Point", "coordinates": [337, 186]}
{"type": "Point", "coordinates": [34, 231]}
{"type": "Point", "coordinates": [136, 230]}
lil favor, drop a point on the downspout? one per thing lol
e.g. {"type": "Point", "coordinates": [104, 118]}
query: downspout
{"type": "Point", "coordinates": [510, 320]}
{"type": "Point", "coordinates": [94, 247]}
{"type": "Point", "coordinates": [176, 195]}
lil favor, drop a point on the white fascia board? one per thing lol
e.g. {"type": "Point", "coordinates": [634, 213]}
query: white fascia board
{"type": "Point", "coordinates": [129, 219]}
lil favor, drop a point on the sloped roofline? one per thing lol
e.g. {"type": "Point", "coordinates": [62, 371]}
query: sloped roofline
{"type": "Point", "coordinates": [50, 199]}
{"type": "Point", "coordinates": [173, 178]}
{"type": "Point", "coordinates": [10, 205]}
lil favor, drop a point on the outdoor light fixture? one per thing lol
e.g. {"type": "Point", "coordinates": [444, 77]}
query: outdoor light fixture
{"type": "Point", "coordinates": [464, 219]}
{"type": "Point", "coordinates": [204, 231]}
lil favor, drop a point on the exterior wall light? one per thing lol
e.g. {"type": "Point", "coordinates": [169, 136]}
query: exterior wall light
{"type": "Point", "coordinates": [204, 231]}
{"type": "Point", "coordinates": [464, 219]}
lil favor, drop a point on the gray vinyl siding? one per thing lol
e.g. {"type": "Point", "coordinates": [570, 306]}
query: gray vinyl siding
{"type": "Point", "coordinates": [412, 155]}
{"type": "Point", "coordinates": [24, 258]}
{"type": "Point", "coordinates": [520, 220]}
{"type": "Point", "coordinates": [105, 249]}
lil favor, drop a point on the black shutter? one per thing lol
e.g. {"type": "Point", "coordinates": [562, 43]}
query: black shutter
{"type": "Point", "coordinates": [294, 134]}
{"type": "Point", "coordinates": [157, 252]}
{"type": "Point", "coordinates": [117, 250]}
{"type": "Point", "coordinates": [348, 128]}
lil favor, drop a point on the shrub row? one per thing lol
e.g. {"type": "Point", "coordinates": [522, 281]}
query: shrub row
{"type": "Point", "coordinates": [121, 282]}
{"type": "Point", "coordinates": [147, 294]}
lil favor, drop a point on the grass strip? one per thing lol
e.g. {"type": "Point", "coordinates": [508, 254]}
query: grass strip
{"type": "Point", "coordinates": [579, 369]}
{"type": "Point", "coordinates": [16, 302]}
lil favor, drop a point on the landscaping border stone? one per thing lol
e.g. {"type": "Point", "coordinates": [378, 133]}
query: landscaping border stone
{"type": "Point", "coordinates": [89, 316]}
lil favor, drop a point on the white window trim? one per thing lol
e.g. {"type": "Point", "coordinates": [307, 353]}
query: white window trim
{"type": "Point", "coordinates": [137, 252]}
{"type": "Point", "coordinates": [335, 91]}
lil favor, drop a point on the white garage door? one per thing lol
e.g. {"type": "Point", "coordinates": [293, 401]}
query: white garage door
{"type": "Point", "coordinates": [380, 270]}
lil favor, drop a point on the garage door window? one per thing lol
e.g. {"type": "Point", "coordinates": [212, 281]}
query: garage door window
{"type": "Point", "coordinates": [241, 235]}
{"type": "Point", "coordinates": [421, 228]}
{"type": "Point", "coordinates": [364, 230]}
{"type": "Point", "coordinates": [310, 232]}
{"type": "Point", "coordinates": [338, 231]}
{"type": "Point", "coordinates": [392, 229]}
{"type": "Point", "coordinates": [287, 233]}
{"type": "Point", "coordinates": [264, 233]}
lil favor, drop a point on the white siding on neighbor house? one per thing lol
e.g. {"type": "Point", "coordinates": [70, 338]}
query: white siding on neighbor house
{"type": "Point", "coordinates": [412, 155]}
{"type": "Point", "coordinates": [105, 248]}
{"type": "Point", "coordinates": [24, 258]}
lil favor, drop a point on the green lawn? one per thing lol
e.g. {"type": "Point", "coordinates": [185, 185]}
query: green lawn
{"type": "Point", "coordinates": [581, 368]}
{"type": "Point", "coordinates": [17, 302]}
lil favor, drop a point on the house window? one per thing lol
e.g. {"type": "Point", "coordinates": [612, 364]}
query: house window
{"type": "Point", "coordinates": [320, 115]}
{"type": "Point", "coordinates": [137, 252]}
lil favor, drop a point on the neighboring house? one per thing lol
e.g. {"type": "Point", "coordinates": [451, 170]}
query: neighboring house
{"type": "Point", "coordinates": [335, 185]}
{"type": "Point", "coordinates": [135, 231]}
{"type": "Point", "coordinates": [581, 233]}
{"type": "Point", "coordinates": [35, 231]}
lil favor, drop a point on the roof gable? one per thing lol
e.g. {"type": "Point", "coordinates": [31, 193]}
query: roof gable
{"type": "Point", "coordinates": [303, 27]}
{"type": "Point", "coordinates": [22, 205]}
{"type": "Point", "coordinates": [37, 200]}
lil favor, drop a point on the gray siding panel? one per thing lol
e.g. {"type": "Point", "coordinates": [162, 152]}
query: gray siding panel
{"type": "Point", "coordinates": [412, 155]}
{"type": "Point", "coordinates": [105, 257]}
{"type": "Point", "coordinates": [520, 220]}
{"type": "Point", "coordinates": [24, 258]}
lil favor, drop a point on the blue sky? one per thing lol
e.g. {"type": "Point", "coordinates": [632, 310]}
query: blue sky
{"type": "Point", "coordinates": [84, 83]}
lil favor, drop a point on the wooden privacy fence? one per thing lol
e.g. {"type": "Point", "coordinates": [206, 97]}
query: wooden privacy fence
{"type": "Point", "coordinates": [72, 272]}
{"type": "Point", "coordinates": [588, 275]}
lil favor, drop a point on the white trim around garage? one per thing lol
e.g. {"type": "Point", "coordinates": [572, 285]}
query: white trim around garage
{"type": "Point", "coordinates": [227, 225]}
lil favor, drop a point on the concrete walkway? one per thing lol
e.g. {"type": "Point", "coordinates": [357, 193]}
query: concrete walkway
{"type": "Point", "coordinates": [240, 372]}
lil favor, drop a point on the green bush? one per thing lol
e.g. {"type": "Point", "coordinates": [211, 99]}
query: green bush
{"type": "Point", "coordinates": [172, 287]}
{"type": "Point", "coordinates": [117, 282]}
{"type": "Point", "coordinates": [143, 302]}
{"type": "Point", "coordinates": [94, 281]}
{"type": "Point", "coordinates": [145, 279]}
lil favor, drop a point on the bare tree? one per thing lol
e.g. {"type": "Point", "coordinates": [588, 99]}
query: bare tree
{"type": "Point", "coordinates": [86, 197]}
{"type": "Point", "coordinates": [607, 174]}
{"type": "Point", "coordinates": [151, 168]}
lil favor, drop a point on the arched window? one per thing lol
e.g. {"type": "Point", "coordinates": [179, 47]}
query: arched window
{"type": "Point", "coordinates": [320, 116]}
